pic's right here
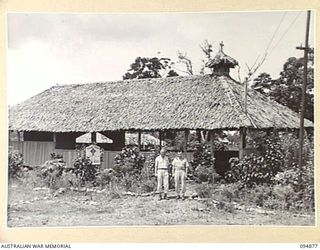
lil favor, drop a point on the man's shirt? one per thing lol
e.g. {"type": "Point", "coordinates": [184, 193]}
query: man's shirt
{"type": "Point", "coordinates": [162, 163]}
{"type": "Point", "coordinates": [180, 164]}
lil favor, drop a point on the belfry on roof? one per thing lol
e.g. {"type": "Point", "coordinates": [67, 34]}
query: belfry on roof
{"type": "Point", "coordinates": [221, 63]}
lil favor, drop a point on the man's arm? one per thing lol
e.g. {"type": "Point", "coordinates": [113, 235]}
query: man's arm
{"type": "Point", "coordinates": [187, 166]}
{"type": "Point", "coordinates": [173, 167]}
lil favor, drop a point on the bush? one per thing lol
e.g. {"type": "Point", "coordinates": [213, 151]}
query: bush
{"type": "Point", "coordinates": [204, 190]}
{"type": "Point", "coordinates": [15, 164]}
{"type": "Point", "coordinates": [128, 167]}
{"type": "Point", "coordinates": [148, 185]}
{"type": "Point", "coordinates": [128, 161]}
{"type": "Point", "coordinates": [83, 169]}
{"type": "Point", "coordinates": [105, 178]}
{"type": "Point", "coordinates": [257, 169]}
{"type": "Point", "coordinates": [51, 170]}
{"type": "Point", "coordinates": [203, 165]}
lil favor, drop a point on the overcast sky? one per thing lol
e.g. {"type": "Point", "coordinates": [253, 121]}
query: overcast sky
{"type": "Point", "coordinates": [48, 49]}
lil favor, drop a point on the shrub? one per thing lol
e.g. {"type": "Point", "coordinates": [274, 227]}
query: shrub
{"type": "Point", "coordinates": [84, 169]}
{"type": "Point", "coordinates": [128, 167]}
{"type": "Point", "coordinates": [15, 164]}
{"type": "Point", "coordinates": [204, 190]}
{"type": "Point", "coordinates": [129, 160]}
{"type": "Point", "coordinates": [149, 185]}
{"type": "Point", "coordinates": [51, 170]}
{"type": "Point", "coordinates": [203, 165]}
{"type": "Point", "coordinates": [257, 169]}
{"type": "Point", "coordinates": [105, 178]}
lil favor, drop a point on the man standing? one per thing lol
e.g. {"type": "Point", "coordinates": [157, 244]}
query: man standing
{"type": "Point", "coordinates": [162, 172]}
{"type": "Point", "coordinates": [179, 170]}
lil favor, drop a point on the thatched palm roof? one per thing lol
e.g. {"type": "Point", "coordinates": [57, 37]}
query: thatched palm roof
{"type": "Point", "coordinates": [222, 58]}
{"type": "Point", "coordinates": [192, 102]}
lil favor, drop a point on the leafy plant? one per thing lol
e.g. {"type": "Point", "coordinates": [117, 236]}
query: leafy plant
{"type": "Point", "coordinates": [84, 169]}
{"type": "Point", "coordinates": [51, 170]}
{"type": "Point", "coordinates": [257, 169]}
{"type": "Point", "coordinates": [15, 164]}
{"type": "Point", "coordinates": [203, 165]}
{"type": "Point", "coordinates": [128, 167]}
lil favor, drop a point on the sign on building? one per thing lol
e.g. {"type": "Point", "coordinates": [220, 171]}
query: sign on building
{"type": "Point", "coordinates": [93, 152]}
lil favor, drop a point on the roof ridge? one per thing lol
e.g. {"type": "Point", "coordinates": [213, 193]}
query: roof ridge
{"type": "Point", "coordinates": [126, 80]}
{"type": "Point", "coordinates": [238, 105]}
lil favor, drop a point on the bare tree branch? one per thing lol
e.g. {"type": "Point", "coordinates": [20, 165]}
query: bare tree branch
{"type": "Point", "coordinates": [183, 58]}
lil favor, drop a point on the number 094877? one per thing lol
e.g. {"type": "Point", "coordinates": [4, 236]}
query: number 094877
{"type": "Point", "coordinates": [308, 246]}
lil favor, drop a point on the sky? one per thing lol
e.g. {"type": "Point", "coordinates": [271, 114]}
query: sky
{"type": "Point", "coordinates": [46, 49]}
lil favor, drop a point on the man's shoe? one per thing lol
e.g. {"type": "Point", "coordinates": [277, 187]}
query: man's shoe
{"type": "Point", "coordinates": [166, 197]}
{"type": "Point", "coordinates": [183, 198]}
{"type": "Point", "coordinates": [178, 197]}
{"type": "Point", "coordinates": [160, 197]}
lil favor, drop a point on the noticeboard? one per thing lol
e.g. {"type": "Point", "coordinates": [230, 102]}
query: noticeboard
{"type": "Point", "coordinates": [93, 152]}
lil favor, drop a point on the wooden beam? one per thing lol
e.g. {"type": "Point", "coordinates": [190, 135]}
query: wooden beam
{"type": "Point", "coordinates": [93, 137]}
{"type": "Point", "coordinates": [185, 144]}
{"type": "Point", "coordinates": [54, 139]}
{"type": "Point", "coordinates": [242, 144]}
{"type": "Point", "coordinates": [198, 132]}
{"type": "Point", "coordinates": [211, 139]}
{"type": "Point", "coordinates": [139, 140]}
{"type": "Point", "coordinates": [160, 138]}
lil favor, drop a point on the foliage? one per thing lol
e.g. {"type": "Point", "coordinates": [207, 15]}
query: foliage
{"type": "Point", "coordinates": [105, 177]}
{"type": "Point", "coordinates": [203, 164]}
{"type": "Point", "coordinates": [129, 160]}
{"type": "Point", "coordinates": [286, 89]}
{"type": "Point", "coordinates": [262, 83]}
{"type": "Point", "coordinates": [84, 169]}
{"type": "Point", "coordinates": [145, 67]}
{"type": "Point", "coordinates": [271, 176]}
{"type": "Point", "coordinates": [257, 169]}
{"type": "Point", "coordinates": [204, 190]}
{"type": "Point", "coordinates": [15, 164]}
{"type": "Point", "coordinates": [52, 170]}
{"type": "Point", "coordinates": [128, 166]}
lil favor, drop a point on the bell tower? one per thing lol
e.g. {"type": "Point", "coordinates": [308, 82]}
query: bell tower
{"type": "Point", "coordinates": [221, 63]}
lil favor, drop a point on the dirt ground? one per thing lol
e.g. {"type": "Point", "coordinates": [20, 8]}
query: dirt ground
{"type": "Point", "coordinates": [38, 208]}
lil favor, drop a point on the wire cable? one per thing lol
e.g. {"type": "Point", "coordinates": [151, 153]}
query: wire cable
{"type": "Point", "coordinates": [289, 27]}
{"type": "Point", "coordinates": [274, 33]}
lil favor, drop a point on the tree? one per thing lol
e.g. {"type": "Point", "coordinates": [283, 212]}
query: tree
{"type": "Point", "coordinates": [286, 90]}
{"type": "Point", "coordinates": [262, 83]}
{"type": "Point", "coordinates": [145, 67]}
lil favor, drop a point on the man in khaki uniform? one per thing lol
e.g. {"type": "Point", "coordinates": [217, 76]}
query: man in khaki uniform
{"type": "Point", "coordinates": [179, 170]}
{"type": "Point", "coordinates": [162, 172]}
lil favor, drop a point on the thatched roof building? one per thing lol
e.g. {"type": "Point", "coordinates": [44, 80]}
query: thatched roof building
{"type": "Point", "coordinates": [207, 102]}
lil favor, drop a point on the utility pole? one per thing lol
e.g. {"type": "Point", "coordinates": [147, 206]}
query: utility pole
{"type": "Point", "coordinates": [303, 96]}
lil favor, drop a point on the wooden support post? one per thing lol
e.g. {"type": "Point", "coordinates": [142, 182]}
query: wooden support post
{"type": "Point", "coordinates": [211, 139]}
{"type": "Point", "coordinates": [185, 145]}
{"type": "Point", "coordinates": [139, 140]}
{"type": "Point", "coordinates": [160, 138]}
{"type": "Point", "coordinates": [242, 144]}
{"type": "Point", "coordinates": [54, 139]}
{"type": "Point", "coordinates": [198, 135]}
{"type": "Point", "coordinates": [93, 137]}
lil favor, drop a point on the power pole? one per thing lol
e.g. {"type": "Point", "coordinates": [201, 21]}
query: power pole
{"type": "Point", "coordinates": [303, 96]}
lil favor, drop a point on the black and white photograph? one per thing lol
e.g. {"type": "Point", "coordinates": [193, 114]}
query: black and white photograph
{"type": "Point", "coordinates": [160, 119]}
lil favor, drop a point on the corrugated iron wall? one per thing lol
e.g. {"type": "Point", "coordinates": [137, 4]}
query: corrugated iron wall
{"type": "Point", "coordinates": [36, 153]}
